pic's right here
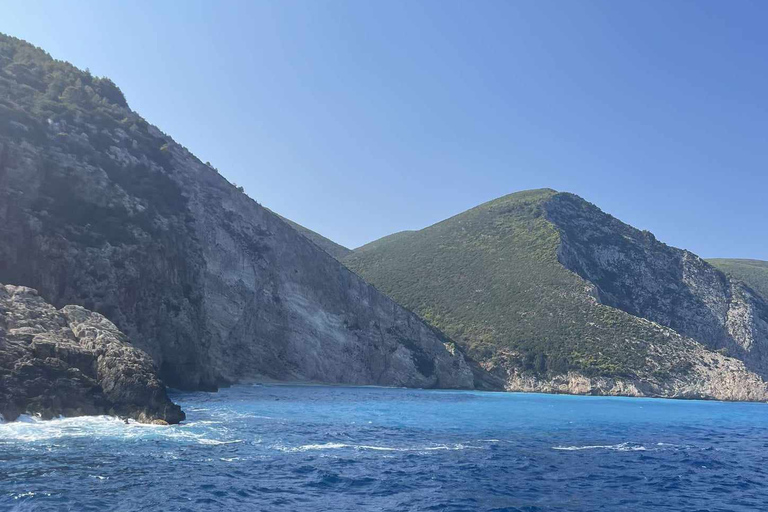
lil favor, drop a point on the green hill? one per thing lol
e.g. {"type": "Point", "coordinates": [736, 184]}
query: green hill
{"type": "Point", "coordinates": [490, 279]}
{"type": "Point", "coordinates": [383, 241]}
{"type": "Point", "coordinates": [753, 273]}
{"type": "Point", "coordinates": [541, 283]}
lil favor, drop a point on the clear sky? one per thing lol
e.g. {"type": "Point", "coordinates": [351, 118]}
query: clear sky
{"type": "Point", "coordinates": [358, 119]}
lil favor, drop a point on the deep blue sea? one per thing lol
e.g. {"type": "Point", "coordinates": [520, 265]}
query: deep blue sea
{"type": "Point", "coordinates": [309, 448]}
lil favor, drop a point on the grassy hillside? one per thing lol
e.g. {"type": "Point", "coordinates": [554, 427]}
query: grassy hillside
{"type": "Point", "coordinates": [753, 273]}
{"type": "Point", "coordinates": [490, 278]}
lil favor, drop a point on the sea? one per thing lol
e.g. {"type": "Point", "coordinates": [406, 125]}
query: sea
{"type": "Point", "coordinates": [332, 448]}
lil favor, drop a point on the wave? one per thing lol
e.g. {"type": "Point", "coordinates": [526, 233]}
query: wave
{"type": "Point", "coordinates": [621, 447]}
{"type": "Point", "coordinates": [217, 442]}
{"type": "Point", "coordinates": [201, 422]}
{"type": "Point", "coordinates": [339, 446]}
{"type": "Point", "coordinates": [31, 429]}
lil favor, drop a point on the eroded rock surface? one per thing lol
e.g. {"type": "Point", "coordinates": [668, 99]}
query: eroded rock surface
{"type": "Point", "coordinates": [73, 362]}
{"type": "Point", "coordinates": [634, 272]}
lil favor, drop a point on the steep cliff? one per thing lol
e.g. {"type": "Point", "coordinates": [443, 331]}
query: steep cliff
{"type": "Point", "coordinates": [72, 362]}
{"type": "Point", "coordinates": [551, 294]}
{"type": "Point", "coordinates": [101, 209]}
{"type": "Point", "coordinates": [636, 273]}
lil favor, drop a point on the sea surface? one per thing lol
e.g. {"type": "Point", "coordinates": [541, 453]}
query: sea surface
{"type": "Point", "coordinates": [309, 448]}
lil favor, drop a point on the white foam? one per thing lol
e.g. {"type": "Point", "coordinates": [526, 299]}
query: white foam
{"type": "Point", "coordinates": [621, 447]}
{"type": "Point", "coordinates": [30, 429]}
{"type": "Point", "coordinates": [339, 446]}
{"type": "Point", "coordinates": [201, 422]}
{"type": "Point", "coordinates": [307, 447]}
{"type": "Point", "coordinates": [230, 415]}
{"type": "Point", "coordinates": [382, 448]}
{"type": "Point", "coordinates": [216, 442]}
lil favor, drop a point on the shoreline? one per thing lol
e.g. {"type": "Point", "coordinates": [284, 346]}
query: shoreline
{"type": "Point", "coordinates": [316, 384]}
{"type": "Point", "coordinates": [313, 384]}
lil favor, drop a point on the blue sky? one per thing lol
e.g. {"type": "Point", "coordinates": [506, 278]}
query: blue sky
{"type": "Point", "coordinates": [358, 119]}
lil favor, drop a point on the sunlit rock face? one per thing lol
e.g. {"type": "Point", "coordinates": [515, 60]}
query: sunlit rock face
{"type": "Point", "coordinates": [636, 273]}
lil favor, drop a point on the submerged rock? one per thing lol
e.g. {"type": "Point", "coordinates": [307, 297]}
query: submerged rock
{"type": "Point", "coordinates": [72, 362]}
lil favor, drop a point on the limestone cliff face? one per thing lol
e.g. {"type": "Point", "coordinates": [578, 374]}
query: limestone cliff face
{"type": "Point", "coordinates": [72, 362]}
{"type": "Point", "coordinates": [636, 273]}
{"type": "Point", "coordinates": [101, 209]}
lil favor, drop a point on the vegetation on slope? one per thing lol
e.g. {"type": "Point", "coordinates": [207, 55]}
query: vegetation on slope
{"type": "Point", "coordinates": [490, 279]}
{"type": "Point", "coordinates": [753, 273]}
{"type": "Point", "coordinates": [372, 246]}
{"type": "Point", "coordinates": [70, 112]}
{"type": "Point", "coordinates": [90, 212]}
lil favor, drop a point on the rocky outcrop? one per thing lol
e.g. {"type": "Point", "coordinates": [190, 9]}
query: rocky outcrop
{"type": "Point", "coordinates": [101, 209]}
{"type": "Point", "coordinates": [72, 362]}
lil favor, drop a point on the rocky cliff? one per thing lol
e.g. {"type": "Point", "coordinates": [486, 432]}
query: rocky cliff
{"type": "Point", "coordinates": [72, 362]}
{"type": "Point", "coordinates": [636, 273]}
{"type": "Point", "coordinates": [101, 209]}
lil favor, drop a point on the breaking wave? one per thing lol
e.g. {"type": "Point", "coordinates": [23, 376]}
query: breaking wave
{"type": "Point", "coordinates": [32, 429]}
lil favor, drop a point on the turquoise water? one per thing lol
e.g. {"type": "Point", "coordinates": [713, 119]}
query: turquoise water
{"type": "Point", "coordinates": [343, 448]}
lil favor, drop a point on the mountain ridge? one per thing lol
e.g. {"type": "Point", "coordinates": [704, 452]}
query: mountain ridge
{"type": "Point", "coordinates": [546, 289]}
{"type": "Point", "coordinates": [338, 251]}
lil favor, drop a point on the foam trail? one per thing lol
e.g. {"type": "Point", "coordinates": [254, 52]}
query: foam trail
{"type": "Point", "coordinates": [621, 447]}
{"type": "Point", "coordinates": [339, 446]}
{"type": "Point", "coordinates": [216, 442]}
